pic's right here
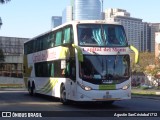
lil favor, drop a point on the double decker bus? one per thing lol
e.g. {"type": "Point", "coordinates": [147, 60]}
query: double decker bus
{"type": "Point", "coordinates": [80, 61]}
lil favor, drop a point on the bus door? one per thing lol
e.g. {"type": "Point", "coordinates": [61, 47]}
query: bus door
{"type": "Point", "coordinates": [70, 74]}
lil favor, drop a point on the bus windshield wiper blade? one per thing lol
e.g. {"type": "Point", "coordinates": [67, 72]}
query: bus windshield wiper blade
{"type": "Point", "coordinates": [115, 61]}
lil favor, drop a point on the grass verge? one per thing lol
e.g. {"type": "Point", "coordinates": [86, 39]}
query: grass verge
{"type": "Point", "coordinates": [11, 86]}
{"type": "Point", "coordinates": [144, 93]}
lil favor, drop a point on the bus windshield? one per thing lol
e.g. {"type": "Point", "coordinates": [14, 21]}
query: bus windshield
{"type": "Point", "coordinates": [101, 35]}
{"type": "Point", "coordinates": [110, 67]}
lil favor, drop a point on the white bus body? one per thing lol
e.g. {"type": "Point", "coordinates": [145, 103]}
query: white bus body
{"type": "Point", "coordinates": [73, 71]}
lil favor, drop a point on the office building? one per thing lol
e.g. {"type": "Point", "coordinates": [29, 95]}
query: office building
{"type": "Point", "coordinates": [111, 12]}
{"type": "Point", "coordinates": [87, 9]}
{"type": "Point", "coordinates": [133, 26]}
{"type": "Point", "coordinates": [12, 48]}
{"type": "Point", "coordinates": [56, 21]}
{"type": "Point", "coordinates": [154, 27]}
{"type": "Point", "coordinates": [83, 10]}
{"type": "Point", "coordinates": [67, 14]}
{"type": "Point", "coordinates": [157, 45]}
{"type": "Point", "coordinates": [102, 15]}
{"type": "Point", "coordinates": [146, 38]}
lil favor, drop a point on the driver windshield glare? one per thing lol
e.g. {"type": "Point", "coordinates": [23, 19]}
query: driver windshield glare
{"type": "Point", "coordinates": [112, 67]}
{"type": "Point", "coordinates": [101, 35]}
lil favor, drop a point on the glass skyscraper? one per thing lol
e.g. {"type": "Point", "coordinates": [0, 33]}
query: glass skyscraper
{"type": "Point", "coordinates": [67, 14]}
{"type": "Point", "coordinates": [87, 10]}
{"type": "Point", "coordinates": [56, 21]}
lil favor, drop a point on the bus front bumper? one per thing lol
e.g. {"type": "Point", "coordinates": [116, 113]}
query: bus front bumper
{"type": "Point", "coordinates": [104, 95]}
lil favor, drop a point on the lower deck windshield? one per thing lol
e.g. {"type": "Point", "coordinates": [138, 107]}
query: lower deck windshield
{"type": "Point", "coordinates": [97, 68]}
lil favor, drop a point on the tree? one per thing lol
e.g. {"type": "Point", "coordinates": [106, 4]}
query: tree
{"type": "Point", "coordinates": [155, 71]}
{"type": "Point", "coordinates": [1, 51]}
{"type": "Point", "coordinates": [145, 59]}
{"type": "Point", "coordinates": [1, 58]}
{"type": "Point", "coordinates": [4, 1]}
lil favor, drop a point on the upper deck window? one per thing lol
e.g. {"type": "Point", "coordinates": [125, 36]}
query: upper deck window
{"type": "Point", "coordinates": [101, 35]}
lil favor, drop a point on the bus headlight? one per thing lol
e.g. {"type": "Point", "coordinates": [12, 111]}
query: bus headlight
{"type": "Point", "coordinates": [87, 88]}
{"type": "Point", "coordinates": [126, 87]}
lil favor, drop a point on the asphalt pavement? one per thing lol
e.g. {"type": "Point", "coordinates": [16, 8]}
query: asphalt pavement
{"type": "Point", "coordinates": [147, 93]}
{"type": "Point", "coordinates": [136, 92]}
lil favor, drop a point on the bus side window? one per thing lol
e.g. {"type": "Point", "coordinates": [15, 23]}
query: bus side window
{"type": "Point", "coordinates": [58, 38]}
{"type": "Point", "coordinates": [51, 69]}
{"type": "Point", "coordinates": [67, 35]}
{"type": "Point", "coordinates": [24, 69]}
{"type": "Point", "coordinates": [72, 36]}
{"type": "Point", "coordinates": [73, 70]}
{"type": "Point", "coordinates": [51, 42]}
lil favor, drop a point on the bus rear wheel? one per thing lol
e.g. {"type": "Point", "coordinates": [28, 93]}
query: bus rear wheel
{"type": "Point", "coordinates": [31, 89]}
{"type": "Point", "coordinates": [63, 98]}
{"type": "Point", "coordinates": [107, 103]}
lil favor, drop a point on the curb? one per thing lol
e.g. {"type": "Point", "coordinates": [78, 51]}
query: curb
{"type": "Point", "coordinates": [157, 93]}
{"type": "Point", "coordinates": [155, 97]}
{"type": "Point", "coordinates": [13, 89]}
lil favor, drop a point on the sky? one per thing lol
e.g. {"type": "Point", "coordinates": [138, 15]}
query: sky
{"type": "Point", "coordinates": [29, 18]}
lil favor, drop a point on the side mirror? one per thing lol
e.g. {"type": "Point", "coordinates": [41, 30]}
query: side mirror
{"type": "Point", "coordinates": [80, 54]}
{"type": "Point", "coordinates": [136, 53]}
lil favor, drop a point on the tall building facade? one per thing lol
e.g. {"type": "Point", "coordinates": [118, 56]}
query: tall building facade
{"type": "Point", "coordinates": [56, 21]}
{"type": "Point", "coordinates": [67, 14]}
{"type": "Point", "coordinates": [146, 37]}
{"type": "Point", "coordinates": [133, 26]}
{"type": "Point", "coordinates": [154, 27]}
{"type": "Point", "coordinates": [82, 10]}
{"type": "Point", "coordinates": [157, 45]}
{"type": "Point", "coordinates": [12, 48]}
{"type": "Point", "coordinates": [87, 9]}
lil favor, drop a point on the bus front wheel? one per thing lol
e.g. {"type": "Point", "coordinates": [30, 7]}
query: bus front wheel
{"type": "Point", "coordinates": [63, 98]}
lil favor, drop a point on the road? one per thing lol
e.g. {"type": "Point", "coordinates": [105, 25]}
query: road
{"type": "Point", "coordinates": [21, 101]}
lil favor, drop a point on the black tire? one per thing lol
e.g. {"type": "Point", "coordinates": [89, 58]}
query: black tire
{"type": "Point", "coordinates": [108, 103]}
{"type": "Point", "coordinates": [31, 89]}
{"type": "Point", "coordinates": [63, 98]}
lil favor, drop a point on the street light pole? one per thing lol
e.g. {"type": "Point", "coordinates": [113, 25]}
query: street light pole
{"type": "Point", "coordinates": [102, 13]}
{"type": "Point", "coordinates": [102, 5]}
{"type": "Point", "coordinates": [0, 22]}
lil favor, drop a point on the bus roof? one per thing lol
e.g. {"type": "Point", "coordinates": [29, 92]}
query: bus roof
{"type": "Point", "coordinates": [76, 22]}
{"type": "Point", "coordinates": [85, 22]}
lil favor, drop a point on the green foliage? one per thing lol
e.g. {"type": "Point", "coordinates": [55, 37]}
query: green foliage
{"type": "Point", "coordinates": [1, 58]}
{"type": "Point", "coordinates": [4, 1]}
{"type": "Point", "coordinates": [147, 63]}
{"type": "Point", "coordinates": [145, 59]}
{"type": "Point", "coordinates": [144, 87]}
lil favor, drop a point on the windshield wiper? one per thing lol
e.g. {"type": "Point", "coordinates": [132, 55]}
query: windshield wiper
{"type": "Point", "coordinates": [102, 33]}
{"type": "Point", "coordinates": [115, 61]}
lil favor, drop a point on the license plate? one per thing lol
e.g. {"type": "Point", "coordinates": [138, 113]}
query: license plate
{"type": "Point", "coordinates": [107, 96]}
